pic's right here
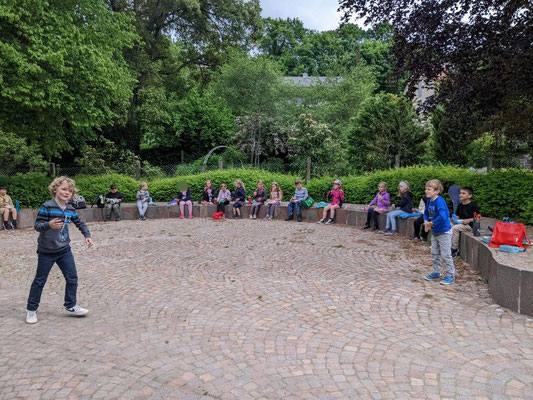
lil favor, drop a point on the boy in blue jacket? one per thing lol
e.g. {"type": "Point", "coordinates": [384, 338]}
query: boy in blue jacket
{"type": "Point", "coordinates": [437, 219]}
{"type": "Point", "coordinates": [53, 246]}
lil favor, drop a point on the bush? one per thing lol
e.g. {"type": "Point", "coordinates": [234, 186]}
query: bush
{"type": "Point", "coordinates": [166, 189]}
{"type": "Point", "coordinates": [500, 193]}
{"type": "Point", "coordinates": [92, 186]}
{"type": "Point", "coordinates": [31, 190]}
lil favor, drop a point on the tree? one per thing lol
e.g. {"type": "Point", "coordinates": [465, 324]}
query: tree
{"type": "Point", "coordinates": [62, 72]}
{"type": "Point", "coordinates": [17, 154]}
{"type": "Point", "coordinates": [385, 127]}
{"type": "Point", "coordinates": [479, 53]}
{"type": "Point", "coordinates": [249, 85]}
{"type": "Point", "coordinates": [310, 138]}
{"type": "Point", "coordinates": [261, 136]}
{"type": "Point", "coordinates": [194, 124]}
{"type": "Point", "coordinates": [182, 43]}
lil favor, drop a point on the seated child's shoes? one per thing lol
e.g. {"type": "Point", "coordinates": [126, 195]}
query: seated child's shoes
{"type": "Point", "coordinates": [433, 276]}
{"type": "Point", "coordinates": [330, 221]}
{"type": "Point", "coordinates": [31, 317]}
{"type": "Point", "coordinates": [455, 253]}
{"type": "Point", "coordinates": [448, 280]}
{"type": "Point", "coordinates": [182, 216]}
{"type": "Point", "coordinates": [321, 221]}
{"type": "Point", "coordinates": [14, 224]}
{"type": "Point", "coordinates": [391, 233]}
{"type": "Point", "coordinates": [77, 310]}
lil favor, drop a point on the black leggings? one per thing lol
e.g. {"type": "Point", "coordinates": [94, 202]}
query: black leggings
{"type": "Point", "coordinates": [372, 218]}
{"type": "Point", "coordinates": [221, 207]}
{"type": "Point", "coordinates": [419, 228]}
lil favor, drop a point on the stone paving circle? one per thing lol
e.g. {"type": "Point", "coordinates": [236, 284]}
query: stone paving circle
{"type": "Point", "coordinates": [254, 309]}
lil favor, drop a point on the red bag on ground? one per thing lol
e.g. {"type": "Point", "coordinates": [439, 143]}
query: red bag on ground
{"type": "Point", "coordinates": [511, 234]}
{"type": "Point", "coordinates": [218, 215]}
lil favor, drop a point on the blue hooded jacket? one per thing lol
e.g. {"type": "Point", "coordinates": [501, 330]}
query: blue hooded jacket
{"type": "Point", "coordinates": [437, 212]}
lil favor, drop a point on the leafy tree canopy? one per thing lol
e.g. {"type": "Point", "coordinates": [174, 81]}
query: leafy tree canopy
{"type": "Point", "coordinates": [479, 52]}
{"type": "Point", "coordinates": [62, 74]}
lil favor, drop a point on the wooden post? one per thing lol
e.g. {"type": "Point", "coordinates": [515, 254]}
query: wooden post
{"type": "Point", "coordinates": [52, 169]}
{"type": "Point", "coordinates": [308, 171]}
{"type": "Point", "coordinates": [397, 161]}
{"type": "Point", "coordinates": [182, 157]}
{"type": "Point", "coordinates": [489, 162]}
{"type": "Point", "coordinates": [220, 164]}
{"type": "Point", "coordinates": [138, 169]}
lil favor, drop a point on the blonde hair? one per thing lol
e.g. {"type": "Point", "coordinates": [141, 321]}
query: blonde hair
{"type": "Point", "coordinates": [143, 184]}
{"type": "Point", "coordinates": [260, 182]}
{"type": "Point", "coordinates": [239, 183]}
{"type": "Point", "coordinates": [384, 184]}
{"type": "Point", "coordinates": [436, 185]}
{"type": "Point", "coordinates": [59, 181]}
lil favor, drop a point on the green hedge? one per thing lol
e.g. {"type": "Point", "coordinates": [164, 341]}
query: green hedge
{"type": "Point", "coordinates": [499, 193]}
{"type": "Point", "coordinates": [166, 189]}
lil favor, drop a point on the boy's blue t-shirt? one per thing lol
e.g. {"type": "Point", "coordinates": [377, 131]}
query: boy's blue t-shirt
{"type": "Point", "coordinates": [437, 212]}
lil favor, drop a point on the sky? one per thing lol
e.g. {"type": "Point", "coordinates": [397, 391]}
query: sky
{"type": "Point", "coordinates": [320, 15]}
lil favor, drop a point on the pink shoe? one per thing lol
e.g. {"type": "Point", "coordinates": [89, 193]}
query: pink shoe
{"type": "Point", "coordinates": [182, 216]}
{"type": "Point", "coordinates": [191, 216]}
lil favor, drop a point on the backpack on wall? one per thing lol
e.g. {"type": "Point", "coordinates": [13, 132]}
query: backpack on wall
{"type": "Point", "coordinates": [78, 202]}
{"type": "Point", "coordinates": [99, 201]}
{"type": "Point", "coordinates": [509, 234]}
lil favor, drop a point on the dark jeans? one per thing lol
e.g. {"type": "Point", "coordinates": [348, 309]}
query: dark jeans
{"type": "Point", "coordinates": [419, 223]}
{"type": "Point", "coordinates": [294, 207]}
{"type": "Point", "coordinates": [221, 207]}
{"type": "Point", "coordinates": [372, 218]}
{"type": "Point", "coordinates": [45, 262]}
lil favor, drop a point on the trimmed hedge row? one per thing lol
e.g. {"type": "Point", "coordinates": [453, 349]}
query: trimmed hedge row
{"type": "Point", "coordinates": [499, 193]}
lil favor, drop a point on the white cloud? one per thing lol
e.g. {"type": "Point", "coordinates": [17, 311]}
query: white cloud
{"type": "Point", "coordinates": [320, 15]}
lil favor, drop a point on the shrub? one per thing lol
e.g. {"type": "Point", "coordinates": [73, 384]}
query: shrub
{"type": "Point", "coordinates": [92, 186]}
{"type": "Point", "coordinates": [166, 189]}
{"type": "Point", "coordinates": [31, 190]}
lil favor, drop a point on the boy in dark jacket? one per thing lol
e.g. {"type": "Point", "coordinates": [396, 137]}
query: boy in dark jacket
{"type": "Point", "coordinates": [112, 203]}
{"type": "Point", "coordinates": [465, 217]}
{"type": "Point", "coordinates": [53, 246]}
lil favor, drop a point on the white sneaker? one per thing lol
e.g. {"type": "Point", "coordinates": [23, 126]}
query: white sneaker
{"type": "Point", "coordinates": [321, 221]}
{"type": "Point", "coordinates": [31, 317]}
{"type": "Point", "coordinates": [329, 221]}
{"type": "Point", "coordinates": [77, 310]}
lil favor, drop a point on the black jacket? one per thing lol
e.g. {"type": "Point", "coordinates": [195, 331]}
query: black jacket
{"type": "Point", "coordinates": [405, 203]}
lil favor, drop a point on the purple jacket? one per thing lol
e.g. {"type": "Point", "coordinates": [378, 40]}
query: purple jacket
{"type": "Point", "coordinates": [384, 202]}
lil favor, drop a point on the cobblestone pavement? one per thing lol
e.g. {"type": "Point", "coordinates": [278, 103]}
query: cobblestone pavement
{"type": "Point", "coordinates": [192, 309]}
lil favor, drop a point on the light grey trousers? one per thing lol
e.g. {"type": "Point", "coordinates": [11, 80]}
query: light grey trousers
{"type": "Point", "coordinates": [441, 249]}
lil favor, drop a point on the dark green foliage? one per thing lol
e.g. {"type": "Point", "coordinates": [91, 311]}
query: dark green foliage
{"type": "Point", "coordinates": [31, 190]}
{"type": "Point", "coordinates": [478, 52]}
{"type": "Point", "coordinates": [62, 71]}
{"type": "Point", "coordinates": [386, 126]}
